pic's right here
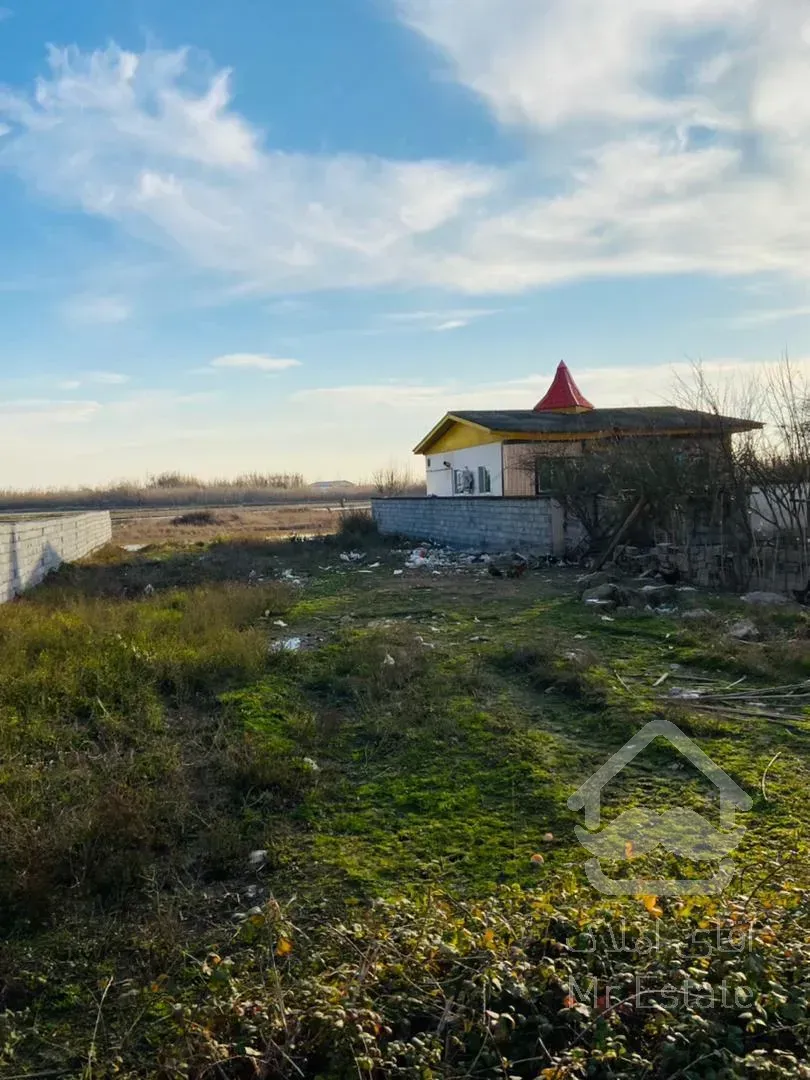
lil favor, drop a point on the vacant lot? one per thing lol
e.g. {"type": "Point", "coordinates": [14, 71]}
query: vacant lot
{"type": "Point", "coordinates": [181, 527]}
{"type": "Point", "coordinates": [270, 812]}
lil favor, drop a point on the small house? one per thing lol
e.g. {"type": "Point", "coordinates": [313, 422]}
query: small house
{"type": "Point", "coordinates": [501, 452]}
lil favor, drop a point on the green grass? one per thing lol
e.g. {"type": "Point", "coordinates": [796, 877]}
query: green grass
{"type": "Point", "coordinates": [398, 773]}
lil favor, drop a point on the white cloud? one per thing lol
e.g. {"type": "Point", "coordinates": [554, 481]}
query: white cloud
{"type": "Point", "coordinates": [125, 137]}
{"type": "Point", "coordinates": [254, 361]}
{"type": "Point", "coordinates": [33, 411]}
{"type": "Point", "coordinates": [606, 387]}
{"type": "Point", "coordinates": [545, 64]}
{"type": "Point", "coordinates": [105, 378]}
{"type": "Point", "coordinates": [439, 321]}
{"type": "Point", "coordinates": [660, 138]}
{"type": "Point", "coordinates": [92, 310]}
{"type": "Point", "coordinates": [770, 315]}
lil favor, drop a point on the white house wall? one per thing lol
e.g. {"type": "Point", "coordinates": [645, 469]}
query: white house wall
{"type": "Point", "coordinates": [441, 466]}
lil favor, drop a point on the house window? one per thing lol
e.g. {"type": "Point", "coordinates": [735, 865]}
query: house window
{"type": "Point", "coordinates": [484, 481]}
{"type": "Point", "coordinates": [545, 469]}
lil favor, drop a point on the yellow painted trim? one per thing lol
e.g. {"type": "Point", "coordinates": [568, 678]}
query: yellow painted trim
{"type": "Point", "coordinates": [461, 437]}
{"type": "Point", "coordinates": [434, 441]}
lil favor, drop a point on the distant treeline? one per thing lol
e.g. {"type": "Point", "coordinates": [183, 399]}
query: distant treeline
{"type": "Point", "coordinates": [174, 489]}
{"type": "Point", "coordinates": [177, 490]}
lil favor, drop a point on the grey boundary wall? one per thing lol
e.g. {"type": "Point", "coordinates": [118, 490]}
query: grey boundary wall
{"type": "Point", "coordinates": [475, 524]}
{"type": "Point", "coordinates": [31, 548]}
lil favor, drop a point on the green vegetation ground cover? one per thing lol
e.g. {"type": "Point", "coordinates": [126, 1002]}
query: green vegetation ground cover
{"type": "Point", "coordinates": [400, 775]}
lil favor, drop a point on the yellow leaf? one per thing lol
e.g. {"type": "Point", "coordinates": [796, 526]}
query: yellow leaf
{"type": "Point", "coordinates": [537, 859]}
{"type": "Point", "coordinates": [628, 850]}
{"type": "Point", "coordinates": [488, 940]}
{"type": "Point", "coordinates": [284, 947]}
{"type": "Point", "coordinates": [651, 904]}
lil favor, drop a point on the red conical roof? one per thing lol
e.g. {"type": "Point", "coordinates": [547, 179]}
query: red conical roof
{"type": "Point", "coordinates": [563, 395]}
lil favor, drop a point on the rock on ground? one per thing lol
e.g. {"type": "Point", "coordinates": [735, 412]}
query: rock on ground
{"type": "Point", "coordinates": [766, 598]}
{"type": "Point", "coordinates": [744, 630]}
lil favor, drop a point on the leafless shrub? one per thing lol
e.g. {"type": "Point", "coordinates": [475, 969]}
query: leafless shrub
{"type": "Point", "coordinates": [393, 480]}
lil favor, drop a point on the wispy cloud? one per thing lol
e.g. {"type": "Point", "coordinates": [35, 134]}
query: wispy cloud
{"type": "Point", "coordinates": [96, 310]}
{"type": "Point", "coordinates": [770, 315]}
{"type": "Point", "coordinates": [625, 170]}
{"type": "Point", "coordinates": [6, 13]}
{"type": "Point", "coordinates": [105, 378]}
{"type": "Point", "coordinates": [38, 410]}
{"type": "Point", "coordinates": [253, 361]}
{"type": "Point", "coordinates": [606, 387]}
{"type": "Point", "coordinates": [439, 321]}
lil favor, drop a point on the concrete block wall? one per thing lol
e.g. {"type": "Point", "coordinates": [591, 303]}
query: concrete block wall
{"type": "Point", "coordinates": [30, 549]}
{"type": "Point", "coordinates": [475, 524]}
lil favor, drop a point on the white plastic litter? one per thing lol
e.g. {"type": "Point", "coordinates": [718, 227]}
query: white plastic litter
{"type": "Point", "coordinates": [280, 622]}
{"type": "Point", "coordinates": [398, 573]}
{"type": "Point", "coordinates": [292, 644]}
{"type": "Point", "coordinates": [258, 857]}
{"type": "Point", "coordinates": [310, 764]}
{"type": "Point", "coordinates": [352, 556]}
{"type": "Point", "coordinates": [389, 661]}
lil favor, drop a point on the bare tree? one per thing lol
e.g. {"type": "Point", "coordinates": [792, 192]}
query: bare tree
{"type": "Point", "coordinates": [393, 480]}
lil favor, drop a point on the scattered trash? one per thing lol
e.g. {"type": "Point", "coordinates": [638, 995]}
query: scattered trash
{"type": "Point", "coordinates": [149, 590]}
{"type": "Point", "coordinates": [292, 644]}
{"type": "Point", "coordinates": [398, 573]}
{"type": "Point", "coordinates": [479, 638]}
{"type": "Point", "coordinates": [279, 622]}
{"type": "Point", "coordinates": [389, 661]}
{"type": "Point", "coordinates": [418, 557]}
{"type": "Point", "coordinates": [133, 547]}
{"type": "Point", "coordinates": [549, 837]}
{"type": "Point", "coordinates": [310, 764]}
{"type": "Point", "coordinates": [258, 857]}
{"type": "Point", "coordinates": [289, 576]}
{"type": "Point", "coordinates": [607, 618]}
{"type": "Point", "coordinates": [441, 560]}
{"type": "Point", "coordinates": [580, 637]}
{"type": "Point", "coordinates": [375, 566]}
{"type": "Point", "coordinates": [352, 556]}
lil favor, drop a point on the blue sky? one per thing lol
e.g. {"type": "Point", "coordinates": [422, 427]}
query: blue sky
{"type": "Point", "coordinates": [270, 235]}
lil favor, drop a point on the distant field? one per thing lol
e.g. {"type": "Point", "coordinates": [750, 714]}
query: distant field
{"type": "Point", "coordinates": [180, 526]}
